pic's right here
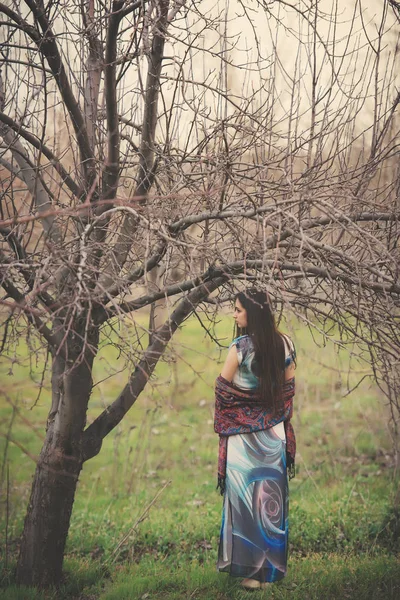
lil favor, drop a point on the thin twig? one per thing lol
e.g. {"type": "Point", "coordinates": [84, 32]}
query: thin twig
{"type": "Point", "coordinates": [142, 517]}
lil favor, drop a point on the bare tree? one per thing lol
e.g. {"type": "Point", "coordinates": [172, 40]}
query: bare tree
{"type": "Point", "coordinates": [160, 150]}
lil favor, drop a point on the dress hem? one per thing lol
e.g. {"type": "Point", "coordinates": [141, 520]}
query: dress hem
{"type": "Point", "coordinates": [263, 575]}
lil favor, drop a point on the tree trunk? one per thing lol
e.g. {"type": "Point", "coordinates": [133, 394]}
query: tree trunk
{"type": "Point", "coordinates": [57, 472]}
{"type": "Point", "coordinates": [48, 516]}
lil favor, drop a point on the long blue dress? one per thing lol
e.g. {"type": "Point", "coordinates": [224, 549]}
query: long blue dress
{"type": "Point", "coordinates": [254, 531]}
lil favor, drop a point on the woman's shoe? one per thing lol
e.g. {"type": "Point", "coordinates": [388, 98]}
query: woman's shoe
{"type": "Point", "coordinates": [251, 584]}
{"type": "Point", "coordinates": [264, 586]}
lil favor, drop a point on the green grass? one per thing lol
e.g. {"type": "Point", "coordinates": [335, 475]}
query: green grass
{"type": "Point", "coordinates": [344, 516]}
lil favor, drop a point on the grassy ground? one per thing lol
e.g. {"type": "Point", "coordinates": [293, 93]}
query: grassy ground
{"type": "Point", "coordinates": [146, 517]}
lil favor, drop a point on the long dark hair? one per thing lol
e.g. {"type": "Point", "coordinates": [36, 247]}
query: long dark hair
{"type": "Point", "coordinates": [269, 348]}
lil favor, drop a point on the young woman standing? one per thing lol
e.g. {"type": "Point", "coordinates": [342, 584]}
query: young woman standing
{"type": "Point", "coordinates": [254, 400]}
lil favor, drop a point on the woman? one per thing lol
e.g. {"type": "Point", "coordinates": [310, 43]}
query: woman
{"type": "Point", "coordinates": [254, 396]}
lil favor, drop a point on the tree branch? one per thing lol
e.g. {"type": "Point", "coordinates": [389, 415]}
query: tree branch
{"type": "Point", "coordinates": [94, 68]}
{"type": "Point", "coordinates": [37, 143]}
{"type": "Point", "coordinates": [270, 242]}
{"type": "Point", "coordinates": [31, 313]}
{"type": "Point", "coordinates": [30, 178]}
{"type": "Point", "coordinates": [7, 165]}
{"type": "Point", "coordinates": [32, 32]}
{"type": "Point", "coordinates": [111, 170]}
{"type": "Point", "coordinates": [146, 151]}
{"type": "Point", "coordinates": [47, 45]}
{"type": "Point", "coordinates": [232, 269]}
{"type": "Point", "coordinates": [396, 8]}
{"type": "Point", "coordinates": [311, 270]}
{"type": "Point", "coordinates": [97, 431]}
{"type": "Point", "coordinates": [106, 313]}
{"type": "Point", "coordinates": [132, 7]}
{"type": "Point", "coordinates": [135, 275]}
{"type": "Point", "coordinates": [189, 220]}
{"type": "Point", "coordinates": [28, 274]}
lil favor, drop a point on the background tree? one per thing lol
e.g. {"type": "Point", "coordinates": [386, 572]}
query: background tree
{"type": "Point", "coordinates": [174, 151]}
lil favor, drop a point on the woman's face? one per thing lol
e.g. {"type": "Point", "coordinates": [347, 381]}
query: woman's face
{"type": "Point", "coordinates": [240, 315]}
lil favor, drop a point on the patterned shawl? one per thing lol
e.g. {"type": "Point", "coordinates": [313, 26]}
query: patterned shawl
{"type": "Point", "coordinates": [243, 411]}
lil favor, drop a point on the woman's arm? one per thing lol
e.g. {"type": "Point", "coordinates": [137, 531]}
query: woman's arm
{"type": "Point", "coordinates": [290, 352]}
{"type": "Point", "coordinates": [231, 364]}
{"type": "Point", "coordinates": [289, 371]}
